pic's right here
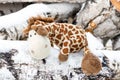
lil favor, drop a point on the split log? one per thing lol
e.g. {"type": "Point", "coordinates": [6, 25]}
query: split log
{"type": "Point", "coordinates": [105, 17]}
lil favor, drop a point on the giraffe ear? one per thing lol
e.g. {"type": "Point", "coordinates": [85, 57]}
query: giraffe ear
{"type": "Point", "coordinates": [42, 31]}
{"type": "Point", "coordinates": [26, 30]}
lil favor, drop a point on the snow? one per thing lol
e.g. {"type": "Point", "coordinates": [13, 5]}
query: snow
{"type": "Point", "coordinates": [94, 43]}
{"type": "Point", "coordinates": [7, 45]}
{"type": "Point", "coordinates": [19, 17]}
{"type": "Point", "coordinates": [23, 58]}
{"type": "Point", "coordinates": [5, 74]}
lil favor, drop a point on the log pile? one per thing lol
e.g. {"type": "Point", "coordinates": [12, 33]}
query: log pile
{"type": "Point", "coordinates": [101, 18]}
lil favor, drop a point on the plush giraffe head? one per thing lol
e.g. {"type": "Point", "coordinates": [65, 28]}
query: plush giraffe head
{"type": "Point", "coordinates": [33, 21]}
{"type": "Point", "coordinates": [39, 46]}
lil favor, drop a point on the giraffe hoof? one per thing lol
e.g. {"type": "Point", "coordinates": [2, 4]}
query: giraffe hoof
{"type": "Point", "coordinates": [62, 57]}
{"type": "Point", "coordinates": [91, 65]}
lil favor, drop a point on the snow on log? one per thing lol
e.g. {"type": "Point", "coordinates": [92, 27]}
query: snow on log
{"type": "Point", "coordinates": [16, 63]}
{"type": "Point", "coordinates": [11, 25]}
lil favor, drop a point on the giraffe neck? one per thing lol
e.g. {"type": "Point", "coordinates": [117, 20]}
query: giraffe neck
{"type": "Point", "coordinates": [51, 28]}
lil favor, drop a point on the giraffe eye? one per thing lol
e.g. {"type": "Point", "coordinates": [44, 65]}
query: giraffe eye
{"type": "Point", "coordinates": [30, 35]}
{"type": "Point", "coordinates": [34, 33]}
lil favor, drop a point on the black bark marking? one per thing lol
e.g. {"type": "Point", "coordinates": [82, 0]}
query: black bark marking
{"type": "Point", "coordinates": [2, 13]}
{"type": "Point", "coordinates": [7, 56]}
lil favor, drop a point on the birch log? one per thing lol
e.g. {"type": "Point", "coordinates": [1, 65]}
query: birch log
{"type": "Point", "coordinates": [104, 15]}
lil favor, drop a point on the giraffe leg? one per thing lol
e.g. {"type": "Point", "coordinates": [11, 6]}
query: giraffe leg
{"type": "Point", "coordinates": [91, 65]}
{"type": "Point", "coordinates": [51, 43]}
{"type": "Point", "coordinates": [64, 52]}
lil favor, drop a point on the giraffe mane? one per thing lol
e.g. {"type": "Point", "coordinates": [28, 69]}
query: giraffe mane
{"type": "Point", "coordinates": [32, 20]}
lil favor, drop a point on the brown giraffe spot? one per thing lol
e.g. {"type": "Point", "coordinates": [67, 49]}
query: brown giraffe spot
{"type": "Point", "coordinates": [76, 32]}
{"type": "Point", "coordinates": [59, 36]}
{"type": "Point", "coordinates": [54, 27]}
{"type": "Point", "coordinates": [72, 49]}
{"type": "Point", "coordinates": [52, 35]}
{"type": "Point", "coordinates": [73, 29]}
{"type": "Point", "coordinates": [51, 43]}
{"type": "Point", "coordinates": [70, 33]}
{"type": "Point", "coordinates": [71, 42]}
{"type": "Point", "coordinates": [79, 41]}
{"type": "Point", "coordinates": [62, 26]}
{"type": "Point", "coordinates": [82, 37]}
{"type": "Point", "coordinates": [61, 30]}
{"type": "Point", "coordinates": [78, 36]}
{"type": "Point", "coordinates": [75, 45]}
{"type": "Point", "coordinates": [80, 45]}
{"type": "Point", "coordinates": [65, 44]}
{"type": "Point", "coordinates": [74, 41]}
{"type": "Point", "coordinates": [65, 31]}
{"type": "Point", "coordinates": [77, 49]}
{"type": "Point", "coordinates": [67, 37]}
{"type": "Point", "coordinates": [61, 44]}
{"type": "Point", "coordinates": [56, 41]}
{"type": "Point", "coordinates": [70, 27]}
{"type": "Point", "coordinates": [65, 50]}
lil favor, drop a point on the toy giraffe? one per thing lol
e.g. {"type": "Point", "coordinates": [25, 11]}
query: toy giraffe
{"type": "Point", "coordinates": [69, 38]}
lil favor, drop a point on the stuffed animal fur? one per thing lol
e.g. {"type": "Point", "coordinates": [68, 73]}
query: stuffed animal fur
{"type": "Point", "coordinates": [69, 38]}
{"type": "Point", "coordinates": [39, 46]}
